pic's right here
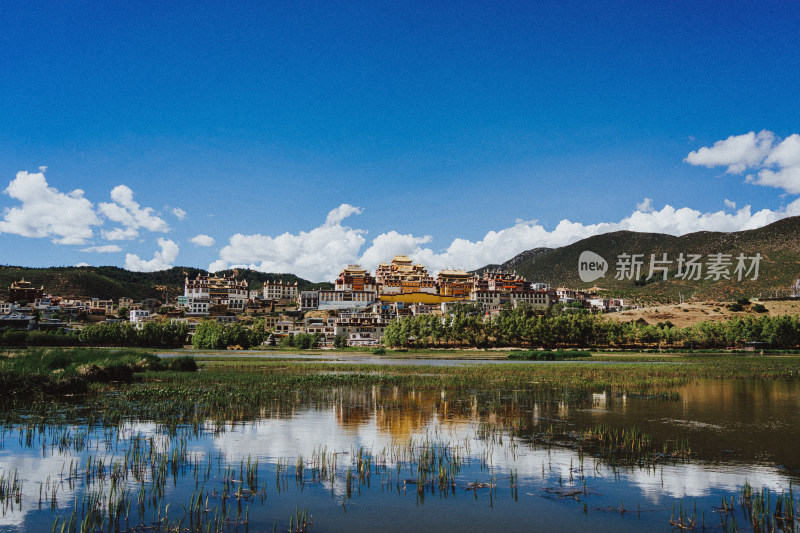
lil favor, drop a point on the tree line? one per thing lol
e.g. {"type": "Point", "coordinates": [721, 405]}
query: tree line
{"type": "Point", "coordinates": [151, 335]}
{"type": "Point", "coordinates": [524, 327]}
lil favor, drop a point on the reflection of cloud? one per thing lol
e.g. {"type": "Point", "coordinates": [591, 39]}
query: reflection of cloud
{"type": "Point", "coordinates": [304, 432]}
{"type": "Point", "coordinates": [697, 480]}
{"type": "Point", "coordinates": [33, 470]}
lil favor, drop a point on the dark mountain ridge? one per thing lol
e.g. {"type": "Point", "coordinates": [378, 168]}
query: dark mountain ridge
{"type": "Point", "coordinates": [109, 282]}
{"type": "Point", "coordinates": [777, 243]}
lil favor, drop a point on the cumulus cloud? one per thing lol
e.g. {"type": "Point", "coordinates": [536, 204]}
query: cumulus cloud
{"type": "Point", "coordinates": [387, 245]}
{"type": "Point", "coordinates": [320, 253]}
{"type": "Point", "coordinates": [730, 204]}
{"type": "Point", "coordinates": [777, 163]}
{"type": "Point", "coordinates": [126, 211]}
{"type": "Point", "coordinates": [646, 205]}
{"type": "Point", "coordinates": [106, 249]}
{"type": "Point", "coordinates": [179, 213]}
{"type": "Point", "coordinates": [162, 260]}
{"type": "Point", "coordinates": [336, 216]}
{"type": "Point", "coordinates": [82, 264]}
{"type": "Point", "coordinates": [202, 240]}
{"type": "Point", "coordinates": [64, 218]}
{"type": "Point", "coordinates": [218, 265]}
{"type": "Point", "coordinates": [737, 152]}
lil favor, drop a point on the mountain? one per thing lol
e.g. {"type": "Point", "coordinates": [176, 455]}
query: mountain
{"type": "Point", "coordinates": [778, 244]}
{"type": "Point", "coordinates": [528, 257]}
{"type": "Point", "coordinates": [107, 282]}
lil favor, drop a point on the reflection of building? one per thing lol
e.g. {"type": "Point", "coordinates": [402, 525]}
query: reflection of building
{"type": "Point", "coordinates": [402, 276]}
{"type": "Point", "coordinates": [23, 291]}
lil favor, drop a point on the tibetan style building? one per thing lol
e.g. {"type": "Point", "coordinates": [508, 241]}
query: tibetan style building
{"type": "Point", "coordinates": [456, 283]}
{"type": "Point", "coordinates": [354, 288]}
{"type": "Point", "coordinates": [401, 276]}
{"type": "Point", "coordinates": [24, 291]}
{"type": "Point", "coordinates": [212, 291]}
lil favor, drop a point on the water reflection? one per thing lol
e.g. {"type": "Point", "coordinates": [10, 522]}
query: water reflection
{"type": "Point", "coordinates": [742, 432]}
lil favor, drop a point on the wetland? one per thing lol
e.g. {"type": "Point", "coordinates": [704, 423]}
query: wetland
{"type": "Point", "coordinates": [335, 442]}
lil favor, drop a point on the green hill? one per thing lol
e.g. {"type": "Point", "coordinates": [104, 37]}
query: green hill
{"type": "Point", "coordinates": [107, 282]}
{"type": "Point", "coordinates": [778, 244]}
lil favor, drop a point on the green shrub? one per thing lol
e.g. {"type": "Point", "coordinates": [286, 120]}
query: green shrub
{"type": "Point", "coordinates": [304, 341]}
{"type": "Point", "coordinates": [548, 355]}
{"type": "Point", "coordinates": [182, 364]}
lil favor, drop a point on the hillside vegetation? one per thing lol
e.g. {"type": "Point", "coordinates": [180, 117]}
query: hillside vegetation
{"type": "Point", "coordinates": [778, 244]}
{"type": "Point", "coordinates": [108, 282]}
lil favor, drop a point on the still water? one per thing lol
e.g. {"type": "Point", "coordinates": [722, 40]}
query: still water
{"type": "Point", "coordinates": [413, 460]}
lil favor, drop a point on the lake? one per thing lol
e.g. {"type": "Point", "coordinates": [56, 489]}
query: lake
{"type": "Point", "coordinates": [359, 458]}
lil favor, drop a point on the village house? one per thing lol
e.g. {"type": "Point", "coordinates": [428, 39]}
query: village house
{"type": "Point", "coordinates": [278, 290]}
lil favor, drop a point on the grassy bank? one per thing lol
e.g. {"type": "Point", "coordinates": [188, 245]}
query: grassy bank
{"type": "Point", "coordinates": [46, 371]}
{"type": "Point", "coordinates": [234, 388]}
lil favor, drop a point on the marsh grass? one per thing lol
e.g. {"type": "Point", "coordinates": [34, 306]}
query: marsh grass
{"type": "Point", "coordinates": [39, 371]}
{"type": "Point", "coordinates": [121, 480]}
{"type": "Point", "coordinates": [548, 355]}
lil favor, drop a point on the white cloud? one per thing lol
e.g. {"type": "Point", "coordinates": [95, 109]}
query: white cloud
{"type": "Point", "coordinates": [179, 213]}
{"type": "Point", "coordinates": [218, 265]}
{"type": "Point", "coordinates": [202, 240]}
{"type": "Point", "coordinates": [646, 206]}
{"type": "Point", "coordinates": [737, 152]}
{"type": "Point", "coordinates": [320, 254]}
{"type": "Point", "coordinates": [317, 254]}
{"type": "Point", "coordinates": [120, 234]}
{"type": "Point", "coordinates": [730, 204]}
{"type": "Point", "coordinates": [387, 245]}
{"type": "Point", "coordinates": [778, 164]}
{"type": "Point", "coordinates": [787, 179]}
{"type": "Point", "coordinates": [65, 218]}
{"type": "Point", "coordinates": [82, 264]}
{"type": "Point", "coordinates": [499, 246]}
{"type": "Point", "coordinates": [127, 212]}
{"type": "Point", "coordinates": [161, 260]}
{"type": "Point", "coordinates": [787, 153]}
{"type": "Point", "coordinates": [106, 249]}
{"type": "Point", "coordinates": [336, 216]}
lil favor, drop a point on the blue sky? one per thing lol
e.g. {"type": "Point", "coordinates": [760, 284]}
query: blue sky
{"type": "Point", "coordinates": [461, 133]}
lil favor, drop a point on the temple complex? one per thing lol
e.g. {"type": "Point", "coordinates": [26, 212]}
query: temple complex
{"type": "Point", "coordinates": [224, 291]}
{"type": "Point", "coordinates": [456, 283]}
{"type": "Point", "coordinates": [402, 276]}
{"type": "Point", "coordinates": [24, 291]}
{"type": "Point", "coordinates": [355, 287]}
